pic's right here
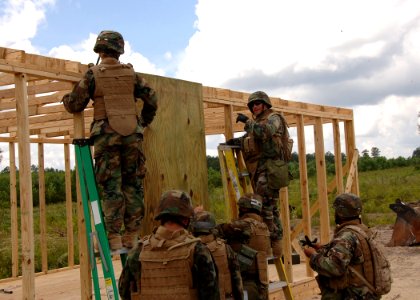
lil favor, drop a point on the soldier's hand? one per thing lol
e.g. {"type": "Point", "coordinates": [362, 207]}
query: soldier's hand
{"type": "Point", "coordinates": [241, 118]}
{"type": "Point", "coordinates": [309, 251]}
{"type": "Point", "coordinates": [233, 142]}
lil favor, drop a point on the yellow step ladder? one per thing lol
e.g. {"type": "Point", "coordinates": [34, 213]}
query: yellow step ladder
{"type": "Point", "coordinates": [236, 182]}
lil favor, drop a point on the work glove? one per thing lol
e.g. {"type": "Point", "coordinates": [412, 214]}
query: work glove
{"type": "Point", "coordinates": [233, 142]}
{"type": "Point", "coordinates": [241, 118]}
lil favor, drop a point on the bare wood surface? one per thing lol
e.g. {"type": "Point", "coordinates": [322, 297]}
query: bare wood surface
{"type": "Point", "coordinates": [13, 210]}
{"type": "Point", "coordinates": [42, 208]}
{"type": "Point", "coordinates": [321, 182]}
{"type": "Point", "coordinates": [285, 220]}
{"type": "Point", "coordinates": [337, 156]}
{"type": "Point", "coordinates": [65, 285]}
{"type": "Point", "coordinates": [174, 145]}
{"type": "Point", "coordinates": [304, 190]}
{"type": "Point", "coordinates": [69, 206]}
{"type": "Point", "coordinates": [25, 187]}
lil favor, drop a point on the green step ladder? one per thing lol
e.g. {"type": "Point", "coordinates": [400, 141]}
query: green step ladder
{"type": "Point", "coordinates": [92, 212]}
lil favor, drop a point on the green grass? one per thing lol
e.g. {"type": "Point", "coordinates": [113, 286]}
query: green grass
{"type": "Point", "coordinates": [56, 239]}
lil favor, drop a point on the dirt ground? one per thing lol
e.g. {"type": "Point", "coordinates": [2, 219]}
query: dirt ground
{"type": "Point", "coordinates": [405, 268]}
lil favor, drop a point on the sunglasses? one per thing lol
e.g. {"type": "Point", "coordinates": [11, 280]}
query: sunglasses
{"type": "Point", "coordinates": [257, 103]}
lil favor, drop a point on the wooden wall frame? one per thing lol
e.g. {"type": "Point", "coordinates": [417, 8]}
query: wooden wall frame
{"type": "Point", "coordinates": [32, 86]}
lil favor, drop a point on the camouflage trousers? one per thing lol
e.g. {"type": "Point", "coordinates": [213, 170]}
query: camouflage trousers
{"type": "Point", "coordinates": [270, 211]}
{"type": "Point", "coordinates": [119, 170]}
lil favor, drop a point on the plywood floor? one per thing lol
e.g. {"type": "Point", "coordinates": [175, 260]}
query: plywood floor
{"type": "Point", "coordinates": [65, 285]}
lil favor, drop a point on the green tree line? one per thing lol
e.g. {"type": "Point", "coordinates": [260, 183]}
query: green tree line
{"type": "Point", "coordinates": [55, 179]}
{"type": "Point", "coordinates": [368, 161]}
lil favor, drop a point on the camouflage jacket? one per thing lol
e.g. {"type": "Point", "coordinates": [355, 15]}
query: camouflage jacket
{"type": "Point", "coordinates": [83, 92]}
{"type": "Point", "coordinates": [331, 263]}
{"type": "Point", "coordinates": [204, 273]}
{"type": "Point", "coordinates": [266, 129]}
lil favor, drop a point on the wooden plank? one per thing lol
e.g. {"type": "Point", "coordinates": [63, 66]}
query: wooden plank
{"type": "Point", "coordinates": [227, 192]}
{"type": "Point", "coordinates": [350, 149]}
{"type": "Point", "coordinates": [42, 209]}
{"type": "Point", "coordinates": [14, 67]}
{"type": "Point", "coordinates": [25, 185]}
{"type": "Point", "coordinates": [321, 182]}
{"type": "Point", "coordinates": [285, 220]}
{"type": "Point", "coordinates": [13, 210]}
{"type": "Point", "coordinates": [69, 206]}
{"type": "Point", "coordinates": [45, 86]}
{"type": "Point", "coordinates": [304, 189]}
{"type": "Point", "coordinates": [352, 172]}
{"type": "Point", "coordinates": [174, 145]}
{"type": "Point", "coordinates": [337, 156]}
{"type": "Point", "coordinates": [228, 121]}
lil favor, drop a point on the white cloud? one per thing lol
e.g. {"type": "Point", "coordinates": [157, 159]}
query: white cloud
{"type": "Point", "coordinates": [19, 22]}
{"type": "Point", "coordinates": [83, 52]}
{"type": "Point", "coordinates": [359, 54]}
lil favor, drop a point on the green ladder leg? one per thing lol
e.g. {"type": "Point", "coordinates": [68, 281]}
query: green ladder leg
{"type": "Point", "coordinates": [92, 209]}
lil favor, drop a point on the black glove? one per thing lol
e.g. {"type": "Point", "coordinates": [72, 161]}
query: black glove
{"type": "Point", "coordinates": [308, 242]}
{"type": "Point", "coordinates": [241, 118]}
{"type": "Point", "coordinates": [234, 142]}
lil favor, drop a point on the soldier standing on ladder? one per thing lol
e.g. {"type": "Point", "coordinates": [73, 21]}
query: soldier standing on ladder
{"type": "Point", "coordinates": [267, 149]}
{"type": "Point", "coordinates": [117, 133]}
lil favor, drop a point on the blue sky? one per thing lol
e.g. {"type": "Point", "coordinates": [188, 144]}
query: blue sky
{"type": "Point", "coordinates": [153, 27]}
{"type": "Point", "coordinates": [358, 54]}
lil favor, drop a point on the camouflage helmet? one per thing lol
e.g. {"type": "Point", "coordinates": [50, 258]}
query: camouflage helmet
{"type": "Point", "coordinates": [203, 222]}
{"type": "Point", "coordinates": [347, 205]}
{"type": "Point", "coordinates": [109, 40]}
{"type": "Point", "coordinates": [250, 201]}
{"type": "Point", "coordinates": [175, 203]}
{"type": "Point", "coordinates": [258, 96]}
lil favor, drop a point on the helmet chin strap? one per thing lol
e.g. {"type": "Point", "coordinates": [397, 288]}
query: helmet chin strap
{"type": "Point", "coordinates": [97, 61]}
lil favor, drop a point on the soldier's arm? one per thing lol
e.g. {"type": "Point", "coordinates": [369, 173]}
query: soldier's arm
{"type": "Point", "coordinates": [78, 98]}
{"type": "Point", "coordinates": [204, 273]}
{"type": "Point", "coordinates": [235, 274]}
{"type": "Point", "coordinates": [143, 91]}
{"type": "Point", "coordinates": [129, 280]}
{"type": "Point", "coordinates": [264, 131]}
{"type": "Point", "coordinates": [333, 259]}
{"type": "Point", "coordinates": [235, 231]}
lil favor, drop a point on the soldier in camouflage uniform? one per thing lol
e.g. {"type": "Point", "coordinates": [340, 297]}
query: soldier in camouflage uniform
{"type": "Point", "coordinates": [332, 261]}
{"type": "Point", "coordinates": [117, 133]}
{"type": "Point", "coordinates": [249, 237]}
{"type": "Point", "coordinates": [266, 152]}
{"type": "Point", "coordinates": [230, 280]}
{"type": "Point", "coordinates": [170, 263]}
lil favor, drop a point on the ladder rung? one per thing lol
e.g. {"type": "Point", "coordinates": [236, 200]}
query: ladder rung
{"type": "Point", "coordinates": [243, 174]}
{"type": "Point", "coordinates": [115, 252]}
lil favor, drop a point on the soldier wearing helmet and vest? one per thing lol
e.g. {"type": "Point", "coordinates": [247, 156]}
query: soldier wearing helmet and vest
{"type": "Point", "coordinates": [346, 250]}
{"type": "Point", "coordinates": [267, 150]}
{"type": "Point", "coordinates": [117, 134]}
{"type": "Point", "coordinates": [249, 237]}
{"type": "Point", "coordinates": [170, 263]}
{"type": "Point", "coordinates": [230, 280]}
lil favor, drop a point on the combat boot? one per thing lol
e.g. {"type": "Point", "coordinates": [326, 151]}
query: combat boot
{"type": "Point", "coordinates": [115, 242]}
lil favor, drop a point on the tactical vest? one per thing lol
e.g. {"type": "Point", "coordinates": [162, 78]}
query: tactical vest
{"type": "Point", "coordinates": [114, 96]}
{"type": "Point", "coordinates": [259, 241]}
{"type": "Point", "coordinates": [217, 248]}
{"type": "Point", "coordinates": [365, 268]}
{"type": "Point", "coordinates": [166, 266]}
{"type": "Point", "coordinates": [256, 149]}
